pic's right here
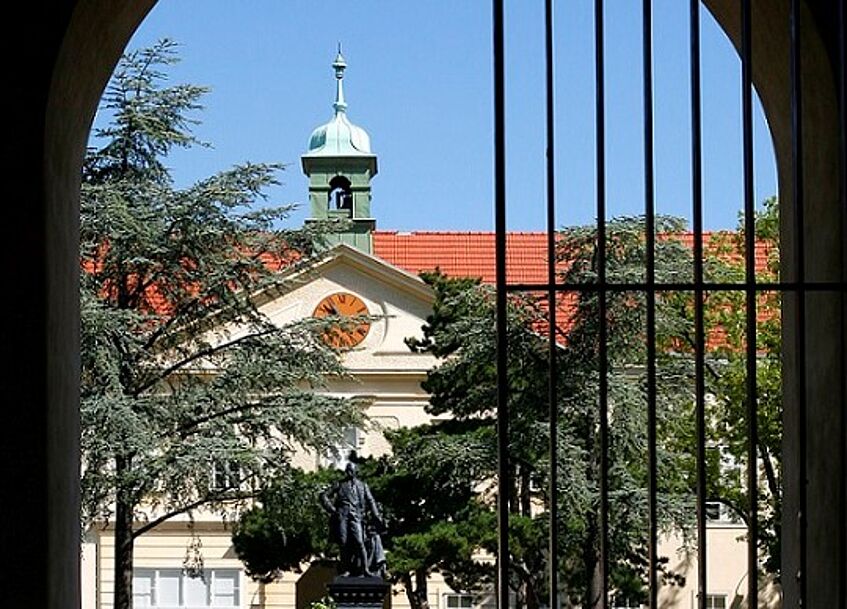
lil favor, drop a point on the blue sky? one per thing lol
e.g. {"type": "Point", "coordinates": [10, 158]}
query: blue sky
{"type": "Point", "coordinates": [420, 82]}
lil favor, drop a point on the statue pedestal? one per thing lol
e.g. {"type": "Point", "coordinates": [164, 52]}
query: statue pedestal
{"type": "Point", "coordinates": [358, 592]}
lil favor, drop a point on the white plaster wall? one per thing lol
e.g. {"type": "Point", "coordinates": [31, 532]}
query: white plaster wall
{"type": "Point", "coordinates": [165, 548]}
{"type": "Point", "coordinates": [402, 315]}
{"type": "Point", "coordinates": [726, 568]}
{"type": "Point", "coordinates": [88, 571]}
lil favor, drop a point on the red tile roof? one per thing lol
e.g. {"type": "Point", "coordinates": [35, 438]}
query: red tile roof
{"type": "Point", "coordinates": [471, 254]}
{"type": "Point", "coordinates": [465, 254]}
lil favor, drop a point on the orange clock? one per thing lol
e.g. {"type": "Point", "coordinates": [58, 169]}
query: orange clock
{"type": "Point", "coordinates": [344, 335]}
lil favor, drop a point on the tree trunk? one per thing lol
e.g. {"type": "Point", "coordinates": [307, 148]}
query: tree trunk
{"type": "Point", "coordinates": [520, 596]}
{"type": "Point", "coordinates": [530, 593]}
{"type": "Point", "coordinates": [416, 592]}
{"type": "Point", "coordinates": [410, 590]}
{"type": "Point", "coordinates": [421, 590]}
{"type": "Point", "coordinates": [526, 498]}
{"type": "Point", "coordinates": [123, 544]}
{"type": "Point", "coordinates": [514, 503]}
{"type": "Point", "coordinates": [593, 576]}
{"type": "Point", "coordinates": [594, 590]}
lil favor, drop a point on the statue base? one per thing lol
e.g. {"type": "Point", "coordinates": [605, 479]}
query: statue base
{"type": "Point", "coordinates": [350, 592]}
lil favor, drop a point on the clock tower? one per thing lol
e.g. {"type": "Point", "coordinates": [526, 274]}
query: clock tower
{"type": "Point", "coordinates": [340, 166]}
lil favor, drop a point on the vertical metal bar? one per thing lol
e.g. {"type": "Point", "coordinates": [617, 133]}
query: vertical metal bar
{"type": "Point", "coordinates": [841, 62]}
{"type": "Point", "coordinates": [800, 278]}
{"type": "Point", "coordinates": [603, 363]}
{"type": "Point", "coordinates": [699, 330]}
{"type": "Point", "coordinates": [553, 566]}
{"type": "Point", "coordinates": [500, 255]}
{"type": "Point", "coordinates": [750, 299]}
{"type": "Point", "coordinates": [650, 230]}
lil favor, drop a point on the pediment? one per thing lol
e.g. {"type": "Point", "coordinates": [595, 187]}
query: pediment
{"type": "Point", "coordinates": [400, 301]}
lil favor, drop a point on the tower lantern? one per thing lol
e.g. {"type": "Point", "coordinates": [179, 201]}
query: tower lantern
{"type": "Point", "coordinates": [340, 166]}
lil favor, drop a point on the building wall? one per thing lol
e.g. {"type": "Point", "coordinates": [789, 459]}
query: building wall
{"type": "Point", "coordinates": [165, 548]}
{"type": "Point", "coordinates": [396, 403]}
{"type": "Point", "coordinates": [726, 570]}
{"type": "Point", "coordinates": [382, 369]}
{"type": "Point", "coordinates": [385, 371]}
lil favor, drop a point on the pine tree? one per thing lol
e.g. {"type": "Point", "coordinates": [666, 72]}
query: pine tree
{"type": "Point", "coordinates": [461, 333]}
{"type": "Point", "coordinates": [436, 485]}
{"type": "Point", "coordinates": [426, 490]}
{"type": "Point", "coordinates": [190, 396]}
{"type": "Point", "coordinates": [726, 380]}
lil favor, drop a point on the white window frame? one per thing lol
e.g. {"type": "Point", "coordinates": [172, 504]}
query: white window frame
{"type": "Point", "coordinates": [458, 595]}
{"type": "Point", "coordinates": [210, 576]}
{"type": "Point", "coordinates": [725, 514]}
{"type": "Point", "coordinates": [712, 596]}
{"type": "Point", "coordinates": [229, 471]}
{"type": "Point", "coordinates": [343, 449]}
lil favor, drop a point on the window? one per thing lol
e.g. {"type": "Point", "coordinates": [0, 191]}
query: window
{"type": "Point", "coordinates": [716, 601]}
{"type": "Point", "coordinates": [226, 475]}
{"type": "Point", "coordinates": [717, 512]}
{"type": "Point", "coordinates": [713, 510]}
{"type": "Point", "coordinates": [351, 440]}
{"type": "Point", "coordinates": [340, 195]}
{"type": "Point", "coordinates": [173, 589]}
{"type": "Point", "coordinates": [621, 602]}
{"type": "Point", "coordinates": [458, 601]}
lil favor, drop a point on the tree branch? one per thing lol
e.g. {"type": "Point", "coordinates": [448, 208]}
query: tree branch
{"type": "Point", "coordinates": [169, 370]}
{"type": "Point", "coordinates": [187, 426]}
{"type": "Point", "coordinates": [190, 506]}
{"type": "Point", "coordinates": [739, 511]}
{"type": "Point", "coordinates": [770, 473]}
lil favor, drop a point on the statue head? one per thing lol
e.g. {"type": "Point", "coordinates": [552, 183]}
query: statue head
{"type": "Point", "coordinates": [350, 471]}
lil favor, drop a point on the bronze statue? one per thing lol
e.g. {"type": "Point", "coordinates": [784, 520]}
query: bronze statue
{"type": "Point", "coordinates": [355, 525]}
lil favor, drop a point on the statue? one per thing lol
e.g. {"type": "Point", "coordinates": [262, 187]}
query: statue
{"type": "Point", "coordinates": [355, 525]}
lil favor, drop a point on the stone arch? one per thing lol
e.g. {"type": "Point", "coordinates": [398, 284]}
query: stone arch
{"type": "Point", "coordinates": [340, 193]}
{"type": "Point", "coordinates": [824, 243]}
{"type": "Point", "coordinates": [60, 57]}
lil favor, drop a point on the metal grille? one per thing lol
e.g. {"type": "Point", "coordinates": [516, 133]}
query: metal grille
{"type": "Point", "coordinates": [798, 287]}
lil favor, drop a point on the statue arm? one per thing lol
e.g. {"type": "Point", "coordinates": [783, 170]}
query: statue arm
{"type": "Point", "coordinates": [371, 504]}
{"type": "Point", "coordinates": [326, 500]}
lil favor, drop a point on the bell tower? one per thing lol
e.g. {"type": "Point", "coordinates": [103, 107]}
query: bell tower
{"type": "Point", "coordinates": [340, 166]}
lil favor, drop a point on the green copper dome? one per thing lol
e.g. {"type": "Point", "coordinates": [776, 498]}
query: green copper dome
{"type": "Point", "coordinates": [340, 167]}
{"type": "Point", "coordinates": [339, 137]}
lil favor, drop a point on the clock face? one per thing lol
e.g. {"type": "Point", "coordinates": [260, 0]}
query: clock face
{"type": "Point", "coordinates": [344, 335]}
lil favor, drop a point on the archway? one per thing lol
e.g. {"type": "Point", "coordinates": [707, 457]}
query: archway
{"type": "Point", "coordinates": [68, 58]}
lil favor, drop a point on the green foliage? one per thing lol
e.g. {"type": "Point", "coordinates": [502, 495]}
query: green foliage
{"type": "Point", "coordinates": [727, 381]}
{"type": "Point", "coordinates": [325, 603]}
{"type": "Point", "coordinates": [181, 372]}
{"type": "Point", "coordinates": [437, 490]}
{"type": "Point", "coordinates": [425, 489]}
{"type": "Point", "coordinates": [286, 528]}
{"type": "Point", "coordinates": [461, 332]}
{"type": "Point", "coordinates": [436, 521]}
{"type": "Point", "coordinates": [726, 378]}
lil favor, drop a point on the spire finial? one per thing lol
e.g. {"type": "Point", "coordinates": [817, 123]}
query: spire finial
{"type": "Point", "coordinates": [339, 65]}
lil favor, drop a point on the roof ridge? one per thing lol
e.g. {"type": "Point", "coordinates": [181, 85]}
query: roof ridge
{"type": "Point", "coordinates": [406, 233]}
